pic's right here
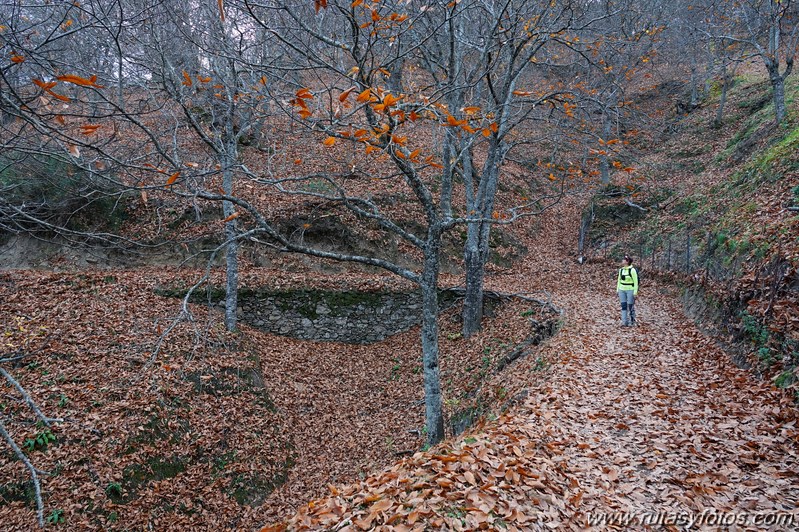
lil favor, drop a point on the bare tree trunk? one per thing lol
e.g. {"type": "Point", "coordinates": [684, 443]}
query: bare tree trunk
{"type": "Point", "coordinates": [434, 416]}
{"type": "Point", "coordinates": [604, 161]}
{"type": "Point", "coordinates": [585, 226]}
{"type": "Point", "coordinates": [232, 252]}
{"type": "Point", "coordinates": [477, 249]}
{"type": "Point", "coordinates": [726, 78]}
{"type": "Point", "coordinates": [475, 277]}
{"type": "Point", "coordinates": [694, 84]}
{"type": "Point", "coordinates": [778, 86]}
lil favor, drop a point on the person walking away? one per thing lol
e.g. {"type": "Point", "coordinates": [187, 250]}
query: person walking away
{"type": "Point", "coordinates": [627, 288]}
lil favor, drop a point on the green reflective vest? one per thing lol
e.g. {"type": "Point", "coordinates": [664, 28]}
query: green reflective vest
{"type": "Point", "coordinates": [628, 279]}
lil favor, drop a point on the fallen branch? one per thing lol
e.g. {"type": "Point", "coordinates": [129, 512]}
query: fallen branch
{"type": "Point", "coordinates": [15, 358]}
{"type": "Point", "coordinates": [21, 455]}
{"type": "Point", "coordinates": [33, 471]}
{"type": "Point", "coordinates": [634, 205]}
{"type": "Point", "coordinates": [506, 296]}
{"type": "Point", "coordinates": [33, 406]}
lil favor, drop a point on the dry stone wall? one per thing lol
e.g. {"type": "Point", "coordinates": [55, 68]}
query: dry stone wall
{"type": "Point", "coordinates": [350, 317]}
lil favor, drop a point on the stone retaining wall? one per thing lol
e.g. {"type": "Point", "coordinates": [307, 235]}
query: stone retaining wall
{"type": "Point", "coordinates": [351, 317]}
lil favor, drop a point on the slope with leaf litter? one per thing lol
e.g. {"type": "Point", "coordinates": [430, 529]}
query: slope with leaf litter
{"type": "Point", "coordinates": [215, 429]}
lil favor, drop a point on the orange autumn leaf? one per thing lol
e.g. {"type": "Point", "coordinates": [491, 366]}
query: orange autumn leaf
{"type": "Point", "coordinates": [58, 96]}
{"type": "Point", "coordinates": [172, 178]}
{"type": "Point", "coordinates": [494, 127]}
{"type": "Point", "coordinates": [297, 161]}
{"type": "Point", "coordinates": [390, 100]}
{"type": "Point", "coordinates": [433, 163]}
{"type": "Point", "coordinates": [45, 85]}
{"type": "Point", "coordinates": [522, 93]}
{"type": "Point", "coordinates": [16, 58]}
{"type": "Point", "coordinates": [89, 129]}
{"type": "Point", "coordinates": [81, 81]}
{"type": "Point", "coordinates": [304, 94]}
{"type": "Point", "coordinates": [186, 79]}
{"type": "Point", "coordinates": [344, 95]}
{"type": "Point", "coordinates": [364, 96]}
{"type": "Point", "coordinates": [304, 113]}
{"type": "Point", "coordinates": [320, 4]}
{"type": "Point", "coordinates": [275, 528]}
{"type": "Point", "coordinates": [231, 217]}
{"type": "Point", "coordinates": [221, 5]}
{"type": "Point", "coordinates": [329, 141]}
{"type": "Point", "coordinates": [471, 110]}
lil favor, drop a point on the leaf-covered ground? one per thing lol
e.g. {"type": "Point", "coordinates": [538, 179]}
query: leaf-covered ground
{"type": "Point", "coordinates": [649, 419]}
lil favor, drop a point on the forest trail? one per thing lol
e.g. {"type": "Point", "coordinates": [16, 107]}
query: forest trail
{"type": "Point", "coordinates": [654, 418]}
{"type": "Point", "coordinates": [640, 427]}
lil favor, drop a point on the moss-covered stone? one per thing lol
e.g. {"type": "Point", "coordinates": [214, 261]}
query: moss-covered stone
{"type": "Point", "coordinates": [137, 476]}
{"type": "Point", "coordinates": [18, 492]}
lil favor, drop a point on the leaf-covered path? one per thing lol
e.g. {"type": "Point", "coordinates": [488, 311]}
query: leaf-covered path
{"type": "Point", "coordinates": [654, 420]}
{"type": "Point", "coordinates": [657, 419]}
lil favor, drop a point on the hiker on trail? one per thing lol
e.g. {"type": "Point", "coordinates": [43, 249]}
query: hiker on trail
{"type": "Point", "coordinates": [627, 288]}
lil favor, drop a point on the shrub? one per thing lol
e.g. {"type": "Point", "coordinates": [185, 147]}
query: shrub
{"type": "Point", "coordinates": [46, 191]}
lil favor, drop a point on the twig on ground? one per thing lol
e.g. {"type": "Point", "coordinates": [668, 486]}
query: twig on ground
{"type": "Point", "coordinates": [33, 471]}
{"type": "Point", "coordinates": [33, 406]}
{"type": "Point", "coordinates": [524, 296]}
{"type": "Point", "coordinates": [635, 205]}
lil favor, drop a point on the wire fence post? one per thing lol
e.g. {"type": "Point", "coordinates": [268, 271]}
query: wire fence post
{"type": "Point", "coordinates": [668, 256]}
{"type": "Point", "coordinates": [654, 248]}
